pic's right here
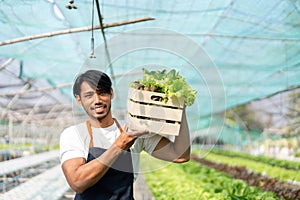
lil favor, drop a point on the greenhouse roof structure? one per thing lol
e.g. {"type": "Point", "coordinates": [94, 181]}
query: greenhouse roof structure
{"type": "Point", "coordinates": [232, 51]}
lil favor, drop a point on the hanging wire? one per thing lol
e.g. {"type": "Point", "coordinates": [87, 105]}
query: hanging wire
{"type": "Point", "coordinates": [117, 98]}
{"type": "Point", "coordinates": [92, 55]}
{"type": "Point", "coordinates": [104, 38]}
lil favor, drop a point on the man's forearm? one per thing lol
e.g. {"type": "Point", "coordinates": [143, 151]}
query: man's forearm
{"type": "Point", "coordinates": [88, 174]}
{"type": "Point", "coordinates": [182, 141]}
{"type": "Point", "coordinates": [177, 151]}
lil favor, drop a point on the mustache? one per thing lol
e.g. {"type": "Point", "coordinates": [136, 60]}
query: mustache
{"type": "Point", "coordinates": [98, 105]}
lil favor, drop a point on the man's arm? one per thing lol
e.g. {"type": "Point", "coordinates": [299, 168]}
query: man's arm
{"type": "Point", "coordinates": [81, 175]}
{"type": "Point", "coordinates": [177, 151]}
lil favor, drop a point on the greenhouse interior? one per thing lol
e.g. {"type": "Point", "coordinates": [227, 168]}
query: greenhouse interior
{"type": "Point", "coordinates": [241, 58]}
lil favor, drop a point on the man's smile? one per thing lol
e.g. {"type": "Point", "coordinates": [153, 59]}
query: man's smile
{"type": "Point", "coordinates": [98, 108]}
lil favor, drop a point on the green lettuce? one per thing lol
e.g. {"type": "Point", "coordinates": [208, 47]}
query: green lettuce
{"type": "Point", "coordinates": [171, 83]}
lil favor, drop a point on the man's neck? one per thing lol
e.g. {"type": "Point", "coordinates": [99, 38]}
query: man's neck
{"type": "Point", "coordinates": [103, 123]}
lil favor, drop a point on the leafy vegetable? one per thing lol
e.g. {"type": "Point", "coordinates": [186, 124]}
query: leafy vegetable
{"type": "Point", "coordinates": [171, 83]}
{"type": "Point", "coordinates": [288, 164]}
{"type": "Point", "coordinates": [258, 167]}
{"type": "Point", "coordinates": [193, 181]}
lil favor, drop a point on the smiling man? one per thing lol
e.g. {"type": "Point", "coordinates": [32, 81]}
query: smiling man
{"type": "Point", "coordinates": [99, 157]}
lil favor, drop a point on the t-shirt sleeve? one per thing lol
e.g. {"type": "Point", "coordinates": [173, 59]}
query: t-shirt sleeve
{"type": "Point", "coordinates": [149, 142]}
{"type": "Point", "coordinates": [71, 145]}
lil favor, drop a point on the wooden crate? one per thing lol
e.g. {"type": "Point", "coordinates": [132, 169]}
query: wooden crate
{"type": "Point", "coordinates": [147, 111]}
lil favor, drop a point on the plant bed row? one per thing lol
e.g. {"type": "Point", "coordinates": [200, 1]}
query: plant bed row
{"type": "Point", "coordinates": [279, 173]}
{"type": "Point", "coordinates": [194, 181]}
{"type": "Point", "coordinates": [264, 159]}
{"type": "Point", "coordinates": [281, 189]}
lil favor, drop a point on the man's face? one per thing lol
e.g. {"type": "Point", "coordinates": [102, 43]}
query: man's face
{"type": "Point", "coordinates": [96, 104]}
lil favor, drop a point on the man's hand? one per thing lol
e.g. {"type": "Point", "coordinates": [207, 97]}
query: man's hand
{"type": "Point", "coordinates": [126, 139]}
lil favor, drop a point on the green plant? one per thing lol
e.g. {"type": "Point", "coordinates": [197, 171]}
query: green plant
{"type": "Point", "coordinates": [171, 83]}
{"type": "Point", "coordinates": [279, 173]}
{"type": "Point", "coordinates": [264, 159]}
{"type": "Point", "coordinates": [194, 181]}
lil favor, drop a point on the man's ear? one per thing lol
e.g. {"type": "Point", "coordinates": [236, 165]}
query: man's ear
{"type": "Point", "coordinates": [78, 100]}
{"type": "Point", "coordinates": [112, 93]}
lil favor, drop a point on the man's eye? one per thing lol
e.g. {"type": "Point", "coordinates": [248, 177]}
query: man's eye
{"type": "Point", "coordinates": [101, 93]}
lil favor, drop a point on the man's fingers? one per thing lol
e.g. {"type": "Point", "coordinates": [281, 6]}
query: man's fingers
{"type": "Point", "coordinates": [138, 133]}
{"type": "Point", "coordinates": [135, 133]}
{"type": "Point", "coordinates": [125, 128]}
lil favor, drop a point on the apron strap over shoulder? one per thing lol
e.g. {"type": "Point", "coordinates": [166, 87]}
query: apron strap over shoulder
{"type": "Point", "coordinates": [88, 125]}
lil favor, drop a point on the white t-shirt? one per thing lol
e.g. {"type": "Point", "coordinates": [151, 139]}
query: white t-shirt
{"type": "Point", "coordinates": [74, 142]}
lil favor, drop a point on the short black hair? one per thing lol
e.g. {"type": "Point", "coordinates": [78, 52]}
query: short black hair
{"type": "Point", "coordinates": [96, 79]}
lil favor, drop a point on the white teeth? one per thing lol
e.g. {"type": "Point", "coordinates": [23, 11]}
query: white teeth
{"type": "Point", "coordinates": [99, 109]}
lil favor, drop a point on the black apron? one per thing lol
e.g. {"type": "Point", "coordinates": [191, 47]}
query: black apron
{"type": "Point", "coordinates": [117, 182]}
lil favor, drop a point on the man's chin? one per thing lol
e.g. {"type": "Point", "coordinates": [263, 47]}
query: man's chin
{"type": "Point", "coordinates": [100, 116]}
{"type": "Point", "coordinates": [100, 113]}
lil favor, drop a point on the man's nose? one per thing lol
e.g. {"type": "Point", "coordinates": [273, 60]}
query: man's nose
{"type": "Point", "coordinates": [97, 98]}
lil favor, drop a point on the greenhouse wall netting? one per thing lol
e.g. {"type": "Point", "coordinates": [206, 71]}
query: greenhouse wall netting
{"type": "Point", "coordinates": [241, 58]}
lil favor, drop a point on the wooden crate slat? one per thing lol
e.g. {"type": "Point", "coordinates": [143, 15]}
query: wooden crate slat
{"type": "Point", "coordinates": [154, 111]}
{"type": "Point", "coordinates": [144, 112]}
{"type": "Point", "coordinates": [159, 127]}
{"type": "Point", "coordinates": [145, 96]}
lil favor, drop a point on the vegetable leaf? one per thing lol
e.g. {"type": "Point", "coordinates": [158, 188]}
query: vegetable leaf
{"type": "Point", "coordinates": [171, 83]}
